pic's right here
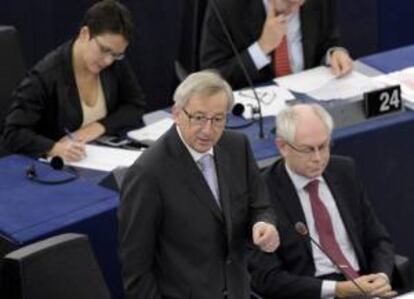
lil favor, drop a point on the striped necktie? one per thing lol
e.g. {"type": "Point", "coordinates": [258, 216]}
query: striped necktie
{"type": "Point", "coordinates": [281, 63]}
{"type": "Point", "coordinates": [324, 227]}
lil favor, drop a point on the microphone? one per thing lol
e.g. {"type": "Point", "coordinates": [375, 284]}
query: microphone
{"type": "Point", "coordinates": [241, 64]}
{"type": "Point", "coordinates": [238, 109]}
{"type": "Point", "coordinates": [302, 230]}
{"type": "Point", "coordinates": [57, 163]}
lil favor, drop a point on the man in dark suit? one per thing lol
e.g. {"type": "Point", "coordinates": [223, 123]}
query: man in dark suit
{"type": "Point", "coordinates": [192, 201]}
{"type": "Point", "coordinates": [318, 195]}
{"type": "Point", "coordinates": [274, 38]}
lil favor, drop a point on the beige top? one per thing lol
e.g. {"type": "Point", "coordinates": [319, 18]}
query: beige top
{"type": "Point", "coordinates": [96, 111]}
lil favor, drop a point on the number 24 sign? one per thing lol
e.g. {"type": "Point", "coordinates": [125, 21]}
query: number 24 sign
{"type": "Point", "coordinates": [383, 101]}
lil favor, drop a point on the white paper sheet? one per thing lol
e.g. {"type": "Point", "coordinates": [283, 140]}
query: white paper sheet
{"type": "Point", "coordinates": [106, 158]}
{"type": "Point", "coordinates": [152, 132]}
{"type": "Point", "coordinates": [307, 80]}
{"type": "Point", "coordinates": [352, 85]}
{"type": "Point", "coordinates": [405, 78]}
{"type": "Point", "coordinates": [320, 84]}
{"type": "Point", "coordinates": [406, 296]}
{"type": "Point", "coordinates": [272, 99]}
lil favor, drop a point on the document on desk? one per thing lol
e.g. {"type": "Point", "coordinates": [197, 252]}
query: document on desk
{"type": "Point", "coordinates": [320, 84]}
{"type": "Point", "coordinates": [152, 132]}
{"type": "Point", "coordinates": [409, 295]}
{"type": "Point", "coordinates": [106, 158]}
{"type": "Point", "coordinates": [405, 78]}
{"type": "Point", "coordinates": [307, 80]}
{"type": "Point", "coordinates": [272, 99]}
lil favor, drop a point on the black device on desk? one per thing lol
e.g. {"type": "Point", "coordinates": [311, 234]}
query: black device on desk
{"type": "Point", "coordinates": [114, 141]}
{"type": "Point", "coordinates": [121, 142]}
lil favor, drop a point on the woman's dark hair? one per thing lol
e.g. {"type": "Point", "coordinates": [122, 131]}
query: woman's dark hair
{"type": "Point", "coordinates": [109, 16]}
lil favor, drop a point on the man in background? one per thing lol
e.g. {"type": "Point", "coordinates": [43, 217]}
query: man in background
{"type": "Point", "coordinates": [274, 38]}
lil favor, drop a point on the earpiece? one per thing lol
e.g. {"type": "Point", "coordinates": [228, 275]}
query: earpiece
{"type": "Point", "coordinates": [57, 164]}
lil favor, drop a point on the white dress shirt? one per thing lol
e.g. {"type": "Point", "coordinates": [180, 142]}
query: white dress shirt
{"type": "Point", "coordinates": [194, 154]}
{"type": "Point", "coordinates": [323, 264]}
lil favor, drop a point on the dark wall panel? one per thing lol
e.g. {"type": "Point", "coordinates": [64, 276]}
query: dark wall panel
{"type": "Point", "coordinates": [164, 32]}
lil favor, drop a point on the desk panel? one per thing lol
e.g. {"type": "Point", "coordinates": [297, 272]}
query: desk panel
{"type": "Point", "coordinates": [30, 211]}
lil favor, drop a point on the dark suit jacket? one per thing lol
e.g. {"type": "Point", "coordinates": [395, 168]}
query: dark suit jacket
{"type": "Point", "coordinates": [47, 101]}
{"type": "Point", "coordinates": [289, 273]}
{"type": "Point", "coordinates": [175, 242]}
{"type": "Point", "coordinates": [245, 19]}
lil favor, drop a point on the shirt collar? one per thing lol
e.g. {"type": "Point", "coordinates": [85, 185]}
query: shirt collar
{"type": "Point", "coordinates": [194, 154]}
{"type": "Point", "coordinates": [300, 181]}
{"type": "Point", "coordinates": [289, 17]}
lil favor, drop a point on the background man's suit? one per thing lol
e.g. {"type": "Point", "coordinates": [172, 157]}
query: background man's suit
{"type": "Point", "coordinates": [245, 19]}
{"type": "Point", "coordinates": [175, 240]}
{"type": "Point", "coordinates": [288, 273]}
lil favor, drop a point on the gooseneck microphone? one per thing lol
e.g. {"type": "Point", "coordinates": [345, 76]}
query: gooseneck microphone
{"type": "Point", "coordinates": [302, 230]}
{"type": "Point", "coordinates": [241, 64]}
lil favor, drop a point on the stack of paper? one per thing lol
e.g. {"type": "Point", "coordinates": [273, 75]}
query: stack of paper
{"type": "Point", "coordinates": [152, 132]}
{"type": "Point", "coordinates": [405, 78]}
{"type": "Point", "coordinates": [320, 84]}
{"type": "Point", "coordinates": [106, 158]}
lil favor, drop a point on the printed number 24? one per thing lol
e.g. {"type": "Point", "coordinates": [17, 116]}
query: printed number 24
{"type": "Point", "coordinates": [388, 100]}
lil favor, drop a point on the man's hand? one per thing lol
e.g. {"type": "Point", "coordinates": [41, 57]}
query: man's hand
{"type": "Point", "coordinates": [374, 285]}
{"type": "Point", "coordinates": [341, 63]}
{"type": "Point", "coordinates": [273, 30]}
{"type": "Point", "coordinates": [265, 236]}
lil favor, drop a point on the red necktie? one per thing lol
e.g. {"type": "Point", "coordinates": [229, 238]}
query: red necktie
{"type": "Point", "coordinates": [325, 230]}
{"type": "Point", "coordinates": [281, 64]}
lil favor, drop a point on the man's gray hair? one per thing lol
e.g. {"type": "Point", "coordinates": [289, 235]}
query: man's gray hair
{"type": "Point", "coordinates": [286, 121]}
{"type": "Point", "coordinates": [206, 83]}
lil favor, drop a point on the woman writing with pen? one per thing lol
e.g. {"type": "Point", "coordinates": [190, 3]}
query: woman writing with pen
{"type": "Point", "coordinates": [79, 91]}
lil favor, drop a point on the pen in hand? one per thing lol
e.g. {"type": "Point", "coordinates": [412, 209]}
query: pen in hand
{"type": "Point", "coordinates": [78, 147]}
{"type": "Point", "coordinates": [69, 134]}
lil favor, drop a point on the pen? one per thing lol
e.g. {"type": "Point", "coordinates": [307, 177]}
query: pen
{"type": "Point", "coordinates": [69, 134]}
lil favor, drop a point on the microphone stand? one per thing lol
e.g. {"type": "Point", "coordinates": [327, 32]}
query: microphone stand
{"type": "Point", "coordinates": [242, 66]}
{"type": "Point", "coordinates": [302, 230]}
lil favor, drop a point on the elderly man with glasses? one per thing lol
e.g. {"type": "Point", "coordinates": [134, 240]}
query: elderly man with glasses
{"type": "Point", "coordinates": [333, 245]}
{"type": "Point", "coordinates": [192, 202]}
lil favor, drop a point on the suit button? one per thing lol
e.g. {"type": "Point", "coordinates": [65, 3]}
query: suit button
{"type": "Point", "coordinates": [229, 261]}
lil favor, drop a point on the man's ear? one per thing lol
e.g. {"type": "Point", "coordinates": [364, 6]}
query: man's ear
{"type": "Point", "coordinates": [282, 146]}
{"type": "Point", "coordinates": [84, 33]}
{"type": "Point", "coordinates": [175, 113]}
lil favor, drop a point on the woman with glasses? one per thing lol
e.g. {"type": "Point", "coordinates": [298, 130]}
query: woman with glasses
{"type": "Point", "coordinates": [78, 92]}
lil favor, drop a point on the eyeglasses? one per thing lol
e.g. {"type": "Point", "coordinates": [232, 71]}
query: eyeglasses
{"type": "Point", "coordinates": [309, 150]}
{"type": "Point", "coordinates": [105, 50]}
{"type": "Point", "coordinates": [265, 97]}
{"type": "Point", "coordinates": [200, 120]}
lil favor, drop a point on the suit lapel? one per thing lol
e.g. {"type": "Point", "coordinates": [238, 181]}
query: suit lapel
{"type": "Point", "coordinates": [290, 202]}
{"type": "Point", "coordinates": [224, 172]}
{"type": "Point", "coordinates": [70, 100]}
{"type": "Point", "coordinates": [107, 83]}
{"type": "Point", "coordinates": [188, 172]}
{"type": "Point", "coordinates": [338, 192]}
{"type": "Point", "coordinates": [309, 22]}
